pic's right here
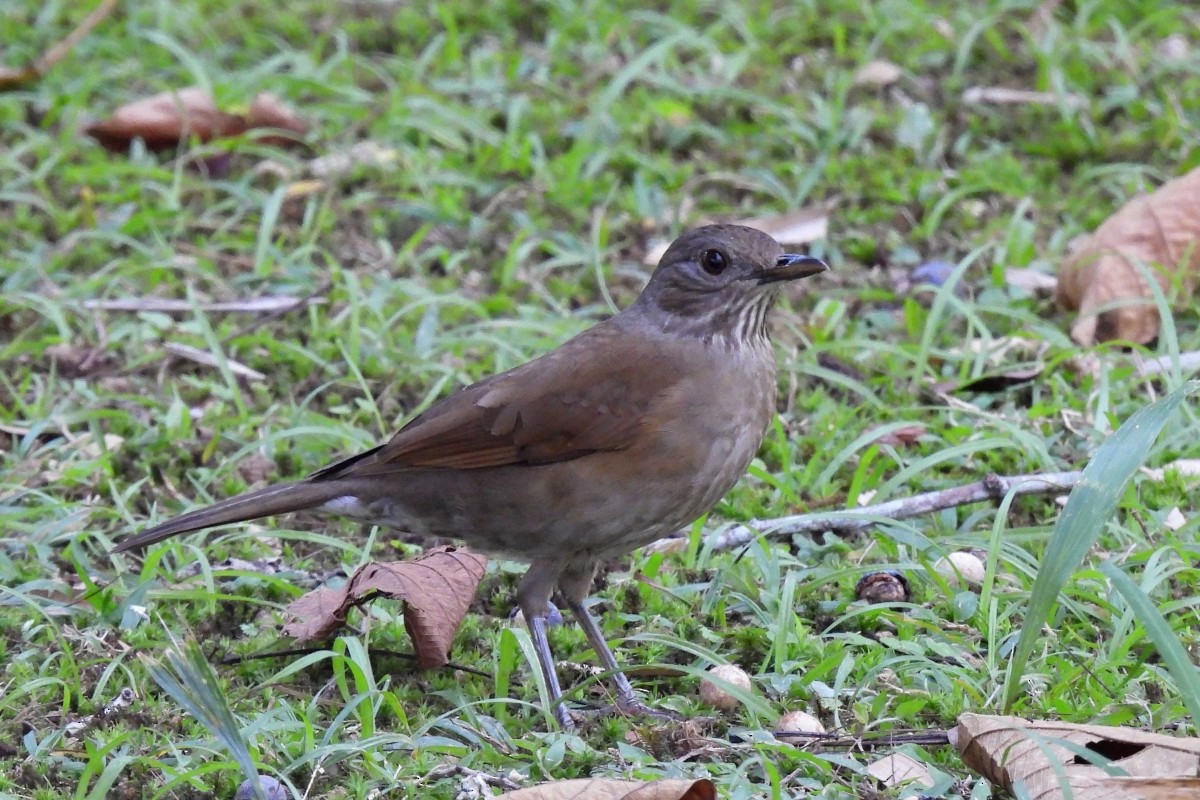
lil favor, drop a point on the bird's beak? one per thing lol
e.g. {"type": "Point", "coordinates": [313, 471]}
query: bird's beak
{"type": "Point", "coordinates": [789, 267]}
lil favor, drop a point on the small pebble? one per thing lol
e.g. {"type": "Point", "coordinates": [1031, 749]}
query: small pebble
{"type": "Point", "coordinates": [800, 722]}
{"type": "Point", "coordinates": [273, 789]}
{"type": "Point", "coordinates": [716, 696]}
{"type": "Point", "coordinates": [961, 568]}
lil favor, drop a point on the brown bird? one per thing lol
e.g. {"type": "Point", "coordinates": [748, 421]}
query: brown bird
{"type": "Point", "coordinates": [625, 433]}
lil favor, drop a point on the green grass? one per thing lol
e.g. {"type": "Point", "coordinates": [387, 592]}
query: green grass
{"type": "Point", "coordinates": [541, 150]}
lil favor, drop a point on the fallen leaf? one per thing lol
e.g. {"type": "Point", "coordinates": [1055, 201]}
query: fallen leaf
{"type": "Point", "coordinates": [607, 789]}
{"type": "Point", "coordinates": [1151, 788]}
{"type": "Point", "coordinates": [256, 468]}
{"type": "Point", "coordinates": [301, 189]}
{"type": "Point", "coordinates": [77, 361]}
{"type": "Point", "coordinates": [368, 154]}
{"type": "Point", "coordinates": [792, 228]}
{"type": "Point", "coordinates": [877, 73]}
{"type": "Point", "coordinates": [898, 437]}
{"type": "Point", "coordinates": [165, 120]}
{"type": "Point", "coordinates": [1001, 96]}
{"type": "Point", "coordinates": [1009, 751]}
{"type": "Point", "coordinates": [1160, 230]}
{"type": "Point", "coordinates": [1175, 519]}
{"type": "Point", "coordinates": [436, 589]}
{"type": "Point", "coordinates": [268, 111]}
{"type": "Point", "coordinates": [1184, 467]}
{"type": "Point", "coordinates": [1030, 280]}
{"type": "Point", "coordinates": [899, 769]}
{"type": "Point", "coordinates": [999, 381]}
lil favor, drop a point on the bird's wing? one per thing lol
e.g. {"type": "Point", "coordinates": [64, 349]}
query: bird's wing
{"type": "Point", "coordinates": [573, 401]}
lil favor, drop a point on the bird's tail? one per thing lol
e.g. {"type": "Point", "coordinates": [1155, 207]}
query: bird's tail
{"type": "Point", "coordinates": [266, 502]}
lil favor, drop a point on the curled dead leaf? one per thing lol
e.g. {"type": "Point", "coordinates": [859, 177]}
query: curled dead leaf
{"type": "Point", "coordinates": [900, 436]}
{"type": "Point", "coordinates": [1044, 755]}
{"type": "Point", "coordinates": [1101, 279]}
{"type": "Point", "coordinates": [605, 789]}
{"type": "Point", "coordinates": [436, 589]}
{"type": "Point", "coordinates": [268, 111]}
{"type": "Point", "coordinates": [791, 228]}
{"type": "Point", "coordinates": [899, 769]}
{"type": "Point", "coordinates": [165, 120]}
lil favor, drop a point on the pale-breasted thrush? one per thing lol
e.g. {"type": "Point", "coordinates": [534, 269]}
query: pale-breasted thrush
{"type": "Point", "coordinates": [621, 435]}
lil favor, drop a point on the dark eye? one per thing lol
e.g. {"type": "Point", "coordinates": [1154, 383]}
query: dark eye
{"type": "Point", "coordinates": [713, 261]}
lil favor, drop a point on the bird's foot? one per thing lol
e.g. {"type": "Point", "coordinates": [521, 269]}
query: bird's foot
{"type": "Point", "coordinates": [565, 718]}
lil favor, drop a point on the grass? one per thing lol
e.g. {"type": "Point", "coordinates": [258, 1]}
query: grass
{"type": "Point", "coordinates": [541, 150]}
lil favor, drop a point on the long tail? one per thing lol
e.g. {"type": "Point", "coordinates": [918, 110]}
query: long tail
{"type": "Point", "coordinates": [266, 502]}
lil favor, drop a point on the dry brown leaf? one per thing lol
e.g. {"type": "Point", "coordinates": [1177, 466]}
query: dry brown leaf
{"type": "Point", "coordinates": [436, 589]}
{"type": "Point", "coordinates": [165, 120]}
{"type": "Point", "coordinates": [904, 435]}
{"type": "Point", "coordinates": [604, 789]}
{"type": "Point", "coordinates": [1160, 230]}
{"type": "Point", "coordinates": [268, 111]}
{"type": "Point", "coordinates": [1011, 750]}
{"type": "Point", "coordinates": [1154, 788]}
{"type": "Point", "coordinates": [317, 615]}
{"type": "Point", "coordinates": [898, 770]}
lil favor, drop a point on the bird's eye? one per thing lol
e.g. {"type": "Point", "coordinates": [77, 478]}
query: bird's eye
{"type": "Point", "coordinates": [713, 261]}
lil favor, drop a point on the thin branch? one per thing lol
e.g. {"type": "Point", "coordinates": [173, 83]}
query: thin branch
{"type": "Point", "coordinates": [993, 487]}
{"type": "Point", "coordinates": [14, 78]}
{"type": "Point", "coordinates": [207, 359]}
{"type": "Point", "coordinates": [1188, 362]}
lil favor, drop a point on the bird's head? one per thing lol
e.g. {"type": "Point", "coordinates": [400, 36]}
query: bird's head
{"type": "Point", "coordinates": [720, 281]}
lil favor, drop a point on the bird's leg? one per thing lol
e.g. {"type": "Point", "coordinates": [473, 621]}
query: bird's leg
{"type": "Point", "coordinates": [533, 596]}
{"type": "Point", "coordinates": [574, 586]}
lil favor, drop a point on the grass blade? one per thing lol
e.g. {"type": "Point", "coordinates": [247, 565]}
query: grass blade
{"type": "Point", "coordinates": [1174, 655]}
{"type": "Point", "coordinates": [185, 674]}
{"type": "Point", "coordinates": [1090, 505]}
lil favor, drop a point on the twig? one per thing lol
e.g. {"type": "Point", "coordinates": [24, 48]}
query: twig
{"type": "Point", "coordinates": [195, 354]}
{"type": "Point", "coordinates": [15, 78]}
{"type": "Point", "coordinates": [993, 487]}
{"type": "Point", "coordinates": [1188, 362]}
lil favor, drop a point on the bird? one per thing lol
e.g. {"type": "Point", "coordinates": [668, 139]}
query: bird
{"type": "Point", "coordinates": [624, 433]}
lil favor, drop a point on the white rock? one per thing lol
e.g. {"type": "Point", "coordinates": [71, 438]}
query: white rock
{"type": "Point", "coordinates": [716, 696]}
{"type": "Point", "coordinates": [800, 722]}
{"type": "Point", "coordinates": [961, 568]}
